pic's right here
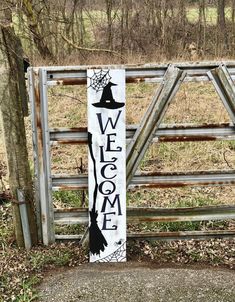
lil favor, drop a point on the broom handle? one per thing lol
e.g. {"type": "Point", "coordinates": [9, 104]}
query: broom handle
{"type": "Point", "coordinates": [95, 176]}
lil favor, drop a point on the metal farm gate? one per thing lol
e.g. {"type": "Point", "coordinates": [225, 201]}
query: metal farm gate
{"type": "Point", "coordinates": [139, 138]}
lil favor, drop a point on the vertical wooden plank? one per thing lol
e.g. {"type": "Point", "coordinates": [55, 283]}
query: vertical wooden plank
{"type": "Point", "coordinates": [107, 164]}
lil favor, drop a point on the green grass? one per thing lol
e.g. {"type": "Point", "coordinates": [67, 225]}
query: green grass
{"type": "Point", "coordinates": [169, 226]}
{"type": "Point", "coordinates": [73, 229]}
{"type": "Point", "coordinates": [70, 198]}
{"type": "Point", "coordinates": [192, 201]}
{"type": "Point", "coordinates": [28, 292]}
{"type": "Point", "coordinates": [55, 257]}
{"type": "Point", "coordinates": [180, 226]}
{"type": "Point", "coordinates": [174, 197]}
{"type": "Point", "coordinates": [198, 201]}
{"type": "Point", "coordinates": [210, 13]}
{"type": "Point", "coordinates": [25, 292]}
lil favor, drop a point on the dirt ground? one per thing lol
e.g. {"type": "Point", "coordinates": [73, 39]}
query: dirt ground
{"type": "Point", "coordinates": [137, 282]}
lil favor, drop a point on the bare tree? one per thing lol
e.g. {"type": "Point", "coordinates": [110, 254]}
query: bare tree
{"type": "Point", "coordinates": [222, 35]}
{"type": "Point", "coordinates": [13, 91]}
{"type": "Point", "coordinates": [201, 40]}
{"type": "Point", "coordinates": [37, 34]}
{"type": "Point", "coordinates": [109, 8]}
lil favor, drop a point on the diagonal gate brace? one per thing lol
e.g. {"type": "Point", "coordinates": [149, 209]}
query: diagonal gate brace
{"type": "Point", "coordinates": [152, 119]}
{"type": "Point", "coordinates": [225, 88]}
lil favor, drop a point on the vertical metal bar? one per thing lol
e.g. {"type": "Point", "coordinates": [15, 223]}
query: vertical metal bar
{"type": "Point", "coordinates": [32, 97]}
{"type": "Point", "coordinates": [47, 212]}
{"type": "Point", "coordinates": [24, 219]}
{"type": "Point", "coordinates": [152, 119]}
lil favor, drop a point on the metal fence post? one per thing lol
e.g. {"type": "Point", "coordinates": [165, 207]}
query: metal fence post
{"type": "Point", "coordinates": [24, 219]}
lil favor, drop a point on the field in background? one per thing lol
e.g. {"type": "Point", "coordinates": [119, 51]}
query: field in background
{"type": "Point", "coordinates": [210, 14]}
{"type": "Point", "coordinates": [165, 32]}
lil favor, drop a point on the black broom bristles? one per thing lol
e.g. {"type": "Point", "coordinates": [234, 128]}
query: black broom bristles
{"type": "Point", "coordinates": [97, 240]}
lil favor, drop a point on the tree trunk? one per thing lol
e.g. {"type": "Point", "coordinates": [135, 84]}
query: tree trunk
{"type": "Point", "coordinates": [182, 19]}
{"type": "Point", "coordinates": [201, 39]}
{"type": "Point", "coordinates": [38, 38]}
{"type": "Point", "coordinates": [222, 38]}
{"type": "Point", "coordinates": [233, 29]}
{"type": "Point", "coordinates": [109, 7]}
{"type": "Point", "coordinates": [13, 126]}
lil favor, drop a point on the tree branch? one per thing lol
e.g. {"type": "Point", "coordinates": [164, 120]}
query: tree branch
{"type": "Point", "coordinates": [91, 49]}
{"type": "Point", "coordinates": [225, 159]}
{"type": "Point", "coordinates": [5, 25]}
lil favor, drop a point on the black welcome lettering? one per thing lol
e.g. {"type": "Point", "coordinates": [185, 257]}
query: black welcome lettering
{"type": "Point", "coordinates": [102, 159]}
{"type": "Point", "coordinates": [109, 121]}
{"type": "Point", "coordinates": [107, 191]}
{"type": "Point", "coordinates": [109, 141]}
{"type": "Point", "coordinates": [113, 227]}
{"type": "Point", "coordinates": [112, 167]}
{"type": "Point", "coordinates": [112, 203]}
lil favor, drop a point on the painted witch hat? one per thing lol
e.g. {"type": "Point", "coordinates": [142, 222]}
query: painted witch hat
{"type": "Point", "coordinates": [107, 101]}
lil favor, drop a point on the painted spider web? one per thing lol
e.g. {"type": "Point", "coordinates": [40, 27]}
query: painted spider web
{"type": "Point", "coordinates": [118, 256]}
{"type": "Point", "coordinates": [99, 79]}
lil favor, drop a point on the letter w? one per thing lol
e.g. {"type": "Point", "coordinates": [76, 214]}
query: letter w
{"type": "Point", "coordinates": [113, 124]}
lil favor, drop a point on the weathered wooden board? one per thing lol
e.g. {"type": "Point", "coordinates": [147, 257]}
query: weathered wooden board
{"type": "Point", "coordinates": [107, 165]}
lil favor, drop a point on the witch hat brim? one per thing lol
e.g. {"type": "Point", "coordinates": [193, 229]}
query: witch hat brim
{"type": "Point", "coordinates": [108, 105]}
{"type": "Point", "coordinates": [107, 101]}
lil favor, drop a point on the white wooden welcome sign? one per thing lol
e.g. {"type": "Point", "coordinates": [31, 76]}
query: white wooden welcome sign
{"type": "Point", "coordinates": [107, 165]}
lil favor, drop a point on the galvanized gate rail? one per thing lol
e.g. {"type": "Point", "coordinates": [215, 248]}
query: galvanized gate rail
{"type": "Point", "coordinates": [138, 138]}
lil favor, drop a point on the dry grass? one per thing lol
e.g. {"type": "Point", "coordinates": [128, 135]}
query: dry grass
{"type": "Point", "coordinates": [196, 103]}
